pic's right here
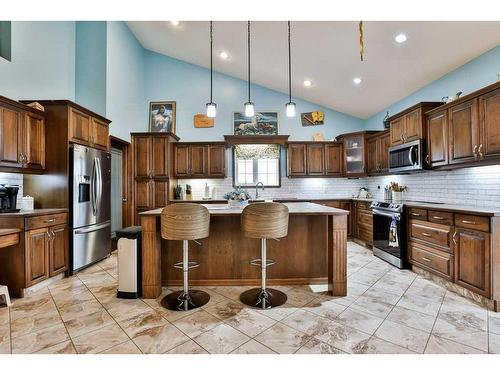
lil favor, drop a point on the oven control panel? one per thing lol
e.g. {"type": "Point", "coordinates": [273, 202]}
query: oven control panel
{"type": "Point", "coordinates": [388, 206]}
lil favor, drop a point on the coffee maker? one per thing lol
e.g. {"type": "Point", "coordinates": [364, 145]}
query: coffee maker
{"type": "Point", "coordinates": [8, 198]}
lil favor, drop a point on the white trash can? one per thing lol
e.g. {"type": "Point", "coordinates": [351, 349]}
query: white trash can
{"type": "Point", "coordinates": [129, 262]}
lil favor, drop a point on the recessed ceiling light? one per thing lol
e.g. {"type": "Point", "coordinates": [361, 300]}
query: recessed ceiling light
{"type": "Point", "coordinates": [175, 23]}
{"type": "Point", "coordinates": [357, 80]}
{"type": "Point", "coordinates": [224, 55]}
{"type": "Point", "coordinates": [400, 38]}
{"type": "Point", "coordinates": [307, 83]}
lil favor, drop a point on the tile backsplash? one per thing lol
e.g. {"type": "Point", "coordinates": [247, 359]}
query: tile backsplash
{"type": "Point", "coordinates": [478, 186]}
{"type": "Point", "coordinates": [13, 179]}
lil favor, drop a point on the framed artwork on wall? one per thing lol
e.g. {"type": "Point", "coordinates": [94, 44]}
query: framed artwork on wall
{"type": "Point", "coordinates": [312, 118]}
{"type": "Point", "coordinates": [262, 123]}
{"type": "Point", "coordinates": [162, 117]}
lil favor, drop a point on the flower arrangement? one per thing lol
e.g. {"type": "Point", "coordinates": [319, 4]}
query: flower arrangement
{"type": "Point", "coordinates": [238, 194]}
{"type": "Point", "coordinates": [394, 186]}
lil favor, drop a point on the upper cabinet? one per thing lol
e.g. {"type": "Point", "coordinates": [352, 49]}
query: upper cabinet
{"type": "Point", "coordinates": [88, 129]}
{"type": "Point", "coordinates": [465, 132]}
{"type": "Point", "coordinates": [314, 159]}
{"type": "Point", "coordinates": [409, 125]}
{"type": "Point", "coordinates": [22, 138]}
{"type": "Point", "coordinates": [355, 156]}
{"type": "Point", "coordinates": [377, 147]}
{"type": "Point", "coordinates": [200, 160]}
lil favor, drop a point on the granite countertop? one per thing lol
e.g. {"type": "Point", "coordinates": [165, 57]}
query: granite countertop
{"type": "Point", "coordinates": [295, 208]}
{"type": "Point", "coordinates": [35, 212]}
{"type": "Point", "coordinates": [278, 199]}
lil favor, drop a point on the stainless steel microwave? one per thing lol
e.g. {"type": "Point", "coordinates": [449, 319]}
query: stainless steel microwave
{"type": "Point", "coordinates": [406, 157]}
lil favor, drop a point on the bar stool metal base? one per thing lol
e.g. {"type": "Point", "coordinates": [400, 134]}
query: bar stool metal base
{"type": "Point", "coordinates": [179, 301]}
{"type": "Point", "coordinates": [263, 299]}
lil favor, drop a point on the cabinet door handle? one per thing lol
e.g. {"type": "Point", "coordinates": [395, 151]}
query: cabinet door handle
{"type": "Point", "coordinates": [468, 222]}
{"type": "Point", "coordinates": [455, 238]}
{"type": "Point", "coordinates": [426, 259]}
{"type": "Point", "coordinates": [428, 159]}
{"type": "Point", "coordinates": [480, 151]}
{"type": "Point", "coordinates": [474, 151]}
{"type": "Point", "coordinates": [426, 234]}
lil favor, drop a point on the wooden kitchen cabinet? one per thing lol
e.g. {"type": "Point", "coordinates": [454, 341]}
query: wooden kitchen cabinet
{"type": "Point", "coordinates": [437, 139]}
{"type": "Point", "coordinates": [58, 249]}
{"type": "Point", "coordinates": [463, 132]}
{"type": "Point", "coordinates": [489, 122]}
{"type": "Point", "coordinates": [409, 125]}
{"type": "Point", "coordinates": [297, 157]}
{"type": "Point", "coordinates": [314, 159]}
{"type": "Point", "coordinates": [377, 148]}
{"type": "Point", "coordinates": [472, 267]}
{"type": "Point", "coordinates": [152, 169]}
{"type": "Point", "coordinates": [22, 138]}
{"type": "Point", "coordinates": [363, 222]}
{"type": "Point", "coordinates": [200, 160]}
{"type": "Point", "coordinates": [87, 128]}
{"type": "Point", "coordinates": [37, 254]}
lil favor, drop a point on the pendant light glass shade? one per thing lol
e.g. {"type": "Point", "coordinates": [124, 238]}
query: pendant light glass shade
{"type": "Point", "coordinates": [249, 109]}
{"type": "Point", "coordinates": [211, 106]}
{"type": "Point", "coordinates": [290, 109]}
{"type": "Point", "coordinates": [211, 110]}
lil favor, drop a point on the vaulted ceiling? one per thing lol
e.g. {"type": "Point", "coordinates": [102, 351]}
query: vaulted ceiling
{"type": "Point", "coordinates": [327, 54]}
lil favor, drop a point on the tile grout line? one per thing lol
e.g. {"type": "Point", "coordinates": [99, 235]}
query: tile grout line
{"type": "Point", "coordinates": [112, 317]}
{"type": "Point", "coordinates": [435, 320]}
{"type": "Point", "coordinates": [64, 324]}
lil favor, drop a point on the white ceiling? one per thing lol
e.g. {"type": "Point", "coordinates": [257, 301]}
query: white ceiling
{"type": "Point", "coordinates": [327, 53]}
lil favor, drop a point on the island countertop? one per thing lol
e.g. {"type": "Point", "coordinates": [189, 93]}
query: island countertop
{"type": "Point", "coordinates": [294, 208]}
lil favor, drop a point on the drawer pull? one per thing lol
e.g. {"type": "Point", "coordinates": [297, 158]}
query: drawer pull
{"type": "Point", "coordinates": [426, 234]}
{"type": "Point", "coordinates": [414, 214]}
{"type": "Point", "coordinates": [438, 217]}
{"type": "Point", "coordinates": [426, 259]}
{"type": "Point", "coordinates": [468, 222]}
{"type": "Point", "coordinates": [50, 220]}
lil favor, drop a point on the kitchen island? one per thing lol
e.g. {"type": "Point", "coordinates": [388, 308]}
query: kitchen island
{"type": "Point", "coordinates": [314, 252]}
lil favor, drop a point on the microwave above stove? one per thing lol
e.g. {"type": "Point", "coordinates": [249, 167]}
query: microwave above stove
{"type": "Point", "coordinates": [406, 157]}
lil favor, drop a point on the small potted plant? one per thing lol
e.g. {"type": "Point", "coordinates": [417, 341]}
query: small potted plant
{"type": "Point", "coordinates": [397, 191]}
{"type": "Point", "coordinates": [238, 197]}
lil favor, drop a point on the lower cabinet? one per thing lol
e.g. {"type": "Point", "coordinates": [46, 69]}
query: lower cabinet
{"type": "Point", "coordinates": [46, 253]}
{"type": "Point", "coordinates": [363, 222]}
{"type": "Point", "coordinates": [472, 267]}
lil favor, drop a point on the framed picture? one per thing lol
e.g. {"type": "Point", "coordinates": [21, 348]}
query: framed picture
{"type": "Point", "coordinates": [162, 117]}
{"type": "Point", "coordinates": [312, 118]}
{"type": "Point", "coordinates": [263, 123]}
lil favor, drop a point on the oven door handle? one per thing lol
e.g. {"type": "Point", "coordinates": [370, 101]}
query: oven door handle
{"type": "Point", "coordinates": [386, 214]}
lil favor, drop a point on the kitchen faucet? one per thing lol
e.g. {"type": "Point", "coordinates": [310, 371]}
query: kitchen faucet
{"type": "Point", "coordinates": [257, 189]}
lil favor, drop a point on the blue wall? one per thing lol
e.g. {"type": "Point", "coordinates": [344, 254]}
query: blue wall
{"type": "Point", "coordinates": [43, 61]}
{"type": "Point", "coordinates": [126, 106]}
{"type": "Point", "coordinates": [170, 79]}
{"type": "Point", "coordinates": [90, 65]}
{"type": "Point", "coordinates": [477, 73]}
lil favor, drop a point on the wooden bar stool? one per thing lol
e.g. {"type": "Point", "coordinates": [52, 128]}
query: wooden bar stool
{"type": "Point", "coordinates": [264, 221]}
{"type": "Point", "coordinates": [185, 221]}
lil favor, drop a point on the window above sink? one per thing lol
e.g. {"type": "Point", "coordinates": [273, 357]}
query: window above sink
{"type": "Point", "coordinates": [255, 163]}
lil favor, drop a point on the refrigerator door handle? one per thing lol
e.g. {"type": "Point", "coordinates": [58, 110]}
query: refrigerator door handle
{"type": "Point", "coordinates": [93, 228]}
{"type": "Point", "coordinates": [99, 186]}
{"type": "Point", "coordinates": [93, 187]}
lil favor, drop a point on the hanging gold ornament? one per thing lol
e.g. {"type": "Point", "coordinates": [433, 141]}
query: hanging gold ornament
{"type": "Point", "coordinates": [361, 41]}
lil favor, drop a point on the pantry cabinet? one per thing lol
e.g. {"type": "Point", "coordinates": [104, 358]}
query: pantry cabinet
{"type": "Point", "coordinates": [22, 138]}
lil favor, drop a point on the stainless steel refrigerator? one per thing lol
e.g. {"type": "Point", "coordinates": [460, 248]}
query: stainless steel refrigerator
{"type": "Point", "coordinates": [90, 206]}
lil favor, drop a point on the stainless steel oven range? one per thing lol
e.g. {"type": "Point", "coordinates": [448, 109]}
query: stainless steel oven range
{"type": "Point", "coordinates": [389, 233]}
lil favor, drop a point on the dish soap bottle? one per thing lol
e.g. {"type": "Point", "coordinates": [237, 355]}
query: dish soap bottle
{"type": "Point", "coordinates": [207, 191]}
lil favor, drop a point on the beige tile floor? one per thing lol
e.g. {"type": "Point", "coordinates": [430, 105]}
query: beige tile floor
{"type": "Point", "coordinates": [386, 311]}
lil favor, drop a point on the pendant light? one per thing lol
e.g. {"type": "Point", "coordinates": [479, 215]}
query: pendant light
{"type": "Point", "coordinates": [290, 106]}
{"type": "Point", "coordinates": [211, 106]}
{"type": "Point", "coordinates": [249, 106]}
